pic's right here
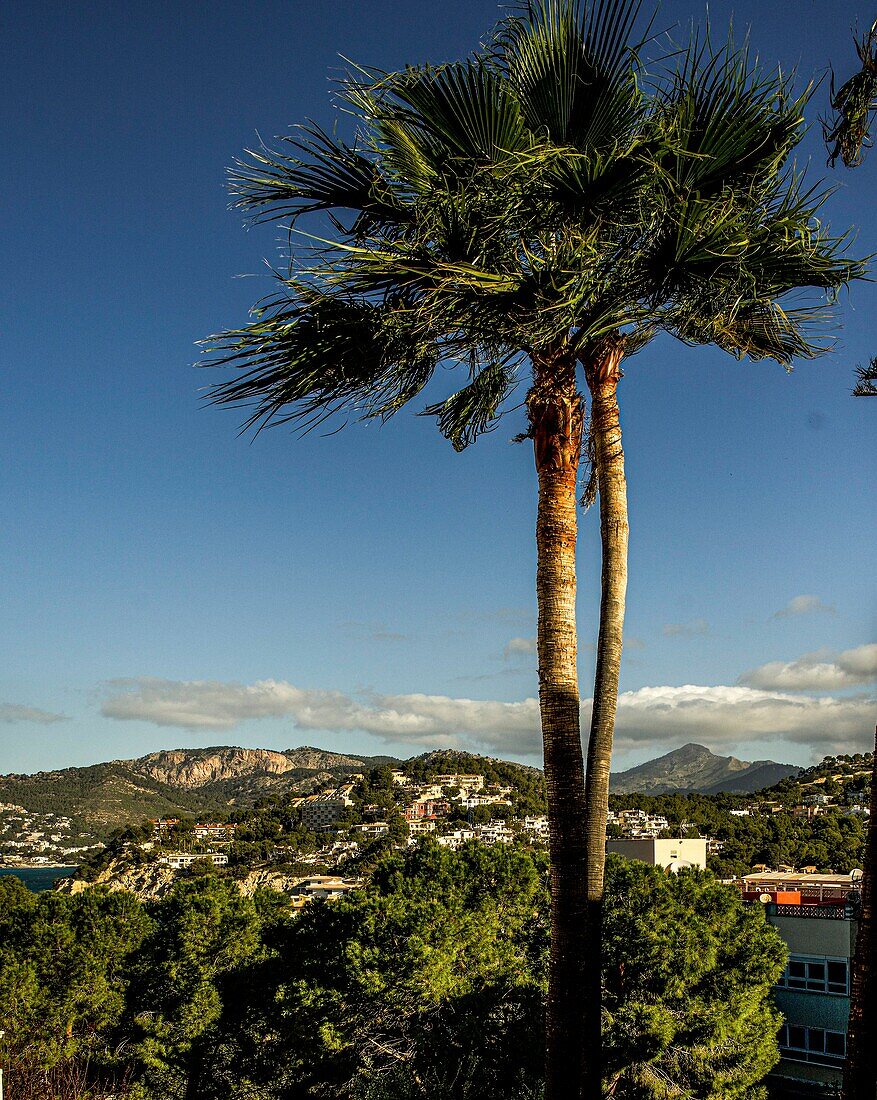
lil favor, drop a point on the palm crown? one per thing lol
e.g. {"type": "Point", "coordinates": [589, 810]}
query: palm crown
{"type": "Point", "coordinates": [541, 192]}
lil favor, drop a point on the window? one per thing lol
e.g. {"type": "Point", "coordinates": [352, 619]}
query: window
{"type": "Point", "coordinates": [812, 1044]}
{"type": "Point", "coordinates": [816, 975]}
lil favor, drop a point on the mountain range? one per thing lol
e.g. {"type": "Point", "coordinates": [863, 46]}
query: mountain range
{"type": "Point", "coordinates": [694, 768]}
{"type": "Point", "coordinates": [204, 780]}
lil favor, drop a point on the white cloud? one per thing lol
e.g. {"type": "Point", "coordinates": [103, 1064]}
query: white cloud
{"type": "Point", "coordinates": [694, 629]}
{"type": "Point", "coordinates": [820, 671]}
{"type": "Point", "coordinates": [519, 645]}
{"type": "Point", "coordinates": [804, 605]}
{"type": "Point", "coordinates": [14, 712]}
{"type": "Point", "coordinates": [722, 717]}
{"type": "Point", "coordinates": [418, 719]}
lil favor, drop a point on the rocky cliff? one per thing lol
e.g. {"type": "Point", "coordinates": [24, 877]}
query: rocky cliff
{"type": "Point", "coordinates": [189, 769]}
{"type": "Point", "coordinates": [153, 881]}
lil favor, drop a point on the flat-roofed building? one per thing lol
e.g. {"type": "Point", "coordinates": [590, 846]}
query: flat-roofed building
{"type": "Point", "coordinates": [798, 888]}
{"type": "Point", "coordinates": [671, 855]}
{"type": "Point", "coordinates": [371, 829]}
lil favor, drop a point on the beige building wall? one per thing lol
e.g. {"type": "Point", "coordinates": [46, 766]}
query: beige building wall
{"type": "Point", "coordinates": [669, 854]}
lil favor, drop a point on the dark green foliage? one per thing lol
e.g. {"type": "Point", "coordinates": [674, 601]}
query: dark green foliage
{"type": "Point", "coordinates": [204, 932]}
{"type": "Point", "coordinates": [428, 984]}
{"type": "Point", "coordinates": [64, 986]}
{"type": "Point", "coordinates": [687, 977]}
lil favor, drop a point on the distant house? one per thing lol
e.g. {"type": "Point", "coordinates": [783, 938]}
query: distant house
{"type": "Point", "coordinates": [464, 782]}
{"type": "Point", "coordinates": [537, 825]}
{"type": "Point", "coordinates": [215, 830]}
{"type": "Point", "coordinates": [426, 807]}
{"type": "Point", "coordinates": [456, 839]}
{"type": "Point", "coordinates": [323, 888]}
{"type": "Point", "coordinates": [372, 829]}
{"type": "Point", "coordinates": [177, 860]}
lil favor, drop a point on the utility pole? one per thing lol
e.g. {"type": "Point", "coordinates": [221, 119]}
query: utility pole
{"type": "Point", "coordinates": [2, 1033]}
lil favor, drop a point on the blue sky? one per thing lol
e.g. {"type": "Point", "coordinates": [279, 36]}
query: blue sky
{"type": "Point", "coordinates": [164, 582]}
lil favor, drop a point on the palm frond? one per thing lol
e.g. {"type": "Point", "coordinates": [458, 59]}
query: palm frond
{"type": "Point", "coordinates": [854, 106]}
{"type": "Point", "coordinates": [317, 173]}
{"type": "Point", "coordinates": [725, 122]}
{"type": "Point", "coordinates": [572, 67]}
{"type": "Point", "coordinates": [308, 355]}
{"type": "Point", "coordinates": [473, 410]}
{"type": "Point", "coordinates": [464, 110]}
{"type": "Point", "coordinates": [866, 386]}
{"type": "Point", "coordinates": [760, 329]}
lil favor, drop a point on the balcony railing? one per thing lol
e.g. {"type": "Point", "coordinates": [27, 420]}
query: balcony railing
{"type": "Point", "coordinates": [820, 912]}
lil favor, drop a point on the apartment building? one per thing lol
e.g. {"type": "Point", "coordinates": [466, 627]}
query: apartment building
{"type": "Point", "coordinates": [816, 917]}
{"type": "Point", "coordinates": [325, 809]}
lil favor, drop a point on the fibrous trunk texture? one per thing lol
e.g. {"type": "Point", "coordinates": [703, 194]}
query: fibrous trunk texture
{"type": "Point", "coordinates": [860, 1070]}
{"type": "Point", "coordinates": [603, 373]}
{"type": "Point", "coordinates": [555, 410]}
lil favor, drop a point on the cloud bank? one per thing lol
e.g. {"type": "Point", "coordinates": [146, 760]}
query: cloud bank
{"type": "Point", "coordinates": [820, 671]}
{"type": "Point", "coordinates": [14, 712]}
{"type": "Point", "coordinates": [720, 716]}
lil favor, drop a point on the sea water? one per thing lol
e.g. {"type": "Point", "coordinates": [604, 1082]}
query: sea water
{"type": "Point", "coordinates": [38, 878]}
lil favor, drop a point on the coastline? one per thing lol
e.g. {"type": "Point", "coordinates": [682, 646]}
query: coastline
{"type": "Point", "coordinates": [38, 867]}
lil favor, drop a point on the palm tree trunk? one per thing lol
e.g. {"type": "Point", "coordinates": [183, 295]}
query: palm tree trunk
{"type": "Point", "coordinates": [603, 374]}
{"type": "Point", "coordinates": [555, 410]}
{"type": "Point", "coordinates": [860, 1069]}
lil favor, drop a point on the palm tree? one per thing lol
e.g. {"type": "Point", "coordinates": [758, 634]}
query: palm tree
{"type": "Point", "coordinates": [854, 105]}
{"type": "Point", "coordinates": [860, 1068]}
{"type": "Point", "coordinates": [530, 211]}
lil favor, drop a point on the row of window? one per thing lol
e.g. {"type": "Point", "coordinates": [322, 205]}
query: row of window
{"type": "Point", "coordinates": [812, 1044]}
{"type": "Point", "coordinates": [816, 975]}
